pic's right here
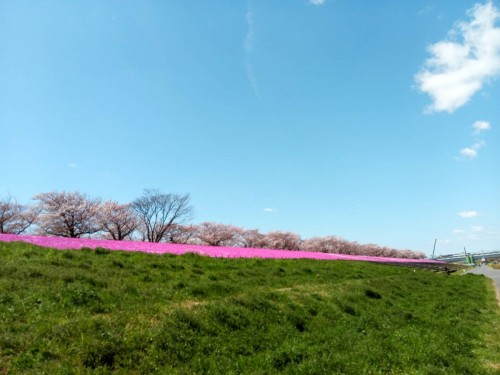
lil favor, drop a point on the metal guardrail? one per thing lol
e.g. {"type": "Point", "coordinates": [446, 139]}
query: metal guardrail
{"type": "Point", "coordinates": [460, 257]}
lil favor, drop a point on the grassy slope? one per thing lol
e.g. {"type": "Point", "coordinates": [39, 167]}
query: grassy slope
{"type": "Point", "coordinates": [100, 311]}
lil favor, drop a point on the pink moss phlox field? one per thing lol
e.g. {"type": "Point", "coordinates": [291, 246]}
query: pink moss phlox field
{"type": "Point", "coordinates": [211, 251]}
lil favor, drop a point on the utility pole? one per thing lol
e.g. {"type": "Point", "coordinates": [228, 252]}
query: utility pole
{"type": "Point", "coordinates": [434, 248]}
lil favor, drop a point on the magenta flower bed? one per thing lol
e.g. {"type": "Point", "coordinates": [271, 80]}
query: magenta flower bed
{"type": "Point", "coordinates": [211, 251]}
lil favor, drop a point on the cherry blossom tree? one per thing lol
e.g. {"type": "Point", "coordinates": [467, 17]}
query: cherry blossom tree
{"type": "Point", "coordinates": [16, 218]}
{"type": "Point", "coordinates": [215, 234]}
{"type": "Point", "coordinates": [252, 238]}
{"type": "Point", "coordinates": [328, 244]}
{"type": "Point", "coordinates": [410, 254]}
{"type": "Point", "coordinates": [181, 234]}
{"type": "Point", "coordinates": [283, 240]}
{"type": "Point", "coordinates": [117, 220]}
{"type": "Point", "coordinates": [337, 245]}
{"type": "Point", "coordinates": [373, 250]}
{"type": "Point", "coordinates": [67, 214]}
{"type": "Point", "coordinates": [157, 212]}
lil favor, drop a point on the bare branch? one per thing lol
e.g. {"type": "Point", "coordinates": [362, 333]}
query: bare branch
{"type": "Point", "coordinates": [181, 234]}
{"type": "Point", "coordinates": [252, 238]}
{"type": "Point", "coordinates": [157, 212]}
{"type": "Point", "coordinates": [117, 220]}
{"type": "Point", "coordinates": [16, 218]}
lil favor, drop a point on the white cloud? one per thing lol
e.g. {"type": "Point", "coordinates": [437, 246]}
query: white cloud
{"type": "Point", "coordinates": [457, 231]}
{"type": "Point", "coordinates": [72, 165]}
{"type": "Point", "coordinates": [471, 152]}
{"type": "Point", "coordinates": [268, 209]}
{"type": "Point", "coordinates": [468, 214]}
{"type": "Point", "coordinates": [457, 70]}
{"type": "Point", "coordinates": [480, 126]}
{"type": "Point", "coordinates": [468, 153]}
{"type": "Point", "coordinates": [477, 228]}
{"type": "Point", "coordinates": [317, 2]}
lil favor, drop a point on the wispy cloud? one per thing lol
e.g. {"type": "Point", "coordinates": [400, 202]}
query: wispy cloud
{"type": "Point", "coordinates": [317, 2]}
{"type": "Point", "coordinates": [468, 214]}
{"type": "Point", "coordinates": [461, 64]}
{"type": "Point", "coordinates": [249, 47]}
{"type": "Point", "coordinates": [251, 78]}
{"type": "Point", "coordinates": [72, 165]}
{"type": "Point", "coordinates": [475, 233]}
{"type": "Point", "coordinates": [444, 241]}
{"type": "Point", "coordinates": [480, 126]}
{"type": "Point", "coordinates": [269, 210]}
{"type": "Point", "coordinates": [426, 9]}
{"type": "Point", "coordinates": [249, 37]}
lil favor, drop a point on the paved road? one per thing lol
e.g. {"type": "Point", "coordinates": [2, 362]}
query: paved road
{"type": "Point", "coordinates": [491, 273]}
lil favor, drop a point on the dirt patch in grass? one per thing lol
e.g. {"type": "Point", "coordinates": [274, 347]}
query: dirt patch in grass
{"type": "Point", "coordinates": [190, 304]}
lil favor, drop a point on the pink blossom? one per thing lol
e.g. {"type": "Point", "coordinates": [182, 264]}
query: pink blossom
{"type": "Point", "coordinates": [178, 249]}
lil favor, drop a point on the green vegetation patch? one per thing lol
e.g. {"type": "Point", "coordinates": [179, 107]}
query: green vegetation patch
{"type": "Point", "coordinates": [73, 312]}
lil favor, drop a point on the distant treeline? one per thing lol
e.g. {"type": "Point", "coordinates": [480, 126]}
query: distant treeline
{"type": "Point", "coordinates": [158, 217]}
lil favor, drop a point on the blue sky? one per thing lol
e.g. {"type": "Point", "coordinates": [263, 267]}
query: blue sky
{"type": "Point", "coordinates": [374, 121]}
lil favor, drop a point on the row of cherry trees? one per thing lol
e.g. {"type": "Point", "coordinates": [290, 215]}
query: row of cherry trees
{"type": "Point", "coordinates": [73, 214]}
{"type": "Point", "coordinates": [216, 234]}
{"type": "Point", "coordinates": [158, 217]}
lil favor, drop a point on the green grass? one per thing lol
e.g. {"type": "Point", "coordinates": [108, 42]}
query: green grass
{"type": "Point", "coordinates": [100, 312]}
